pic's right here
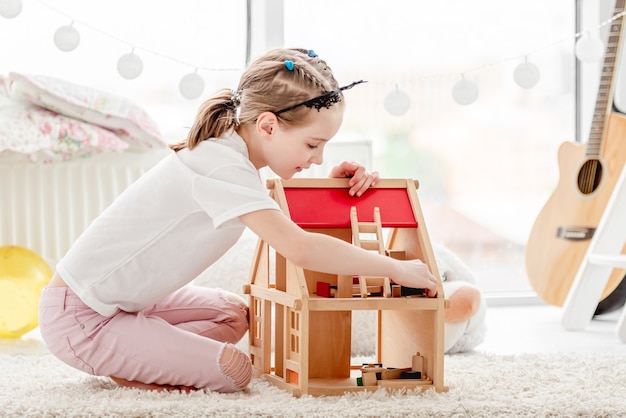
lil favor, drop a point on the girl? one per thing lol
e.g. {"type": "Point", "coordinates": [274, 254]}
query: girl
{"type": "Point", "coordinates": [118, 304]}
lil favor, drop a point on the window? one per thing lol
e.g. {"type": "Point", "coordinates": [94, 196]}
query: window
{"type": "Point", "coordinates": [485, 169]}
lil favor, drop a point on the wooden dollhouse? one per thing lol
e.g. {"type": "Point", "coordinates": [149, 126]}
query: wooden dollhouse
{"type": "Point", "coordinates": [301, 320]}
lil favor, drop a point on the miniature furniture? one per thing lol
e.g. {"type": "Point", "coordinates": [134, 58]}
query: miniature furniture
{"type": "Point", "coordinates": [300, 320]}
{"type": "Point", "coordinates": [606, 251]}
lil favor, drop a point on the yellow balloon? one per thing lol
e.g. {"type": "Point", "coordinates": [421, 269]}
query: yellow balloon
{"type": "Point", "coordinates": [23, 274]}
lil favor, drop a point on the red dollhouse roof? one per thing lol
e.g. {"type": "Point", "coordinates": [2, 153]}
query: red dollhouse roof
{"type": "Point", "coordinates": [330, 207]}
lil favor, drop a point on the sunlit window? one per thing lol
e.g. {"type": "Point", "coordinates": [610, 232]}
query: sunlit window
{"type": "Point", "coordinates": [486, 168]}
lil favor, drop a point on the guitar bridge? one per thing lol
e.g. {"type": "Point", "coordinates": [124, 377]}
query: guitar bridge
{"type": "Point", "coordinates": [575, 233]}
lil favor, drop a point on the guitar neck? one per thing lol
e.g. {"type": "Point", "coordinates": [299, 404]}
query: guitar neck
{"type": "Point", "coordinates": [604, 101]}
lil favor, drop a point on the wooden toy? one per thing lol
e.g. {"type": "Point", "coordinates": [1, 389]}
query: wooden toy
{"type": "Point", "coordinates": [310, 333]}
{"type": "Point", "coordinates": [377, 375]}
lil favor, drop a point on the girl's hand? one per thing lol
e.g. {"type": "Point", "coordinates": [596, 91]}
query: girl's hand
{"type": "Point", "coordinates": [415, 274]}
{"type": "Point", "coordinates": [360, 178]}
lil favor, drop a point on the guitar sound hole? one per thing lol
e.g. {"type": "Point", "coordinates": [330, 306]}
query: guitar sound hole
{"type": "Point", "coordinates": [589, 176]}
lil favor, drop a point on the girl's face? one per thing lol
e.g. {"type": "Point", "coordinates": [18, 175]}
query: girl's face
{"type": "Point", "coordinates": [290, 150]}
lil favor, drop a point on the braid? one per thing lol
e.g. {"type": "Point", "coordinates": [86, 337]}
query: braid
{"type": "Point", "coordinates": [318, 73]}
{"type": "Point", "coordinates": [308, 78]}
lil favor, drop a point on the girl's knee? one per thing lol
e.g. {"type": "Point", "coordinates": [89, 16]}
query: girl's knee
{"type": "Point", "coordinates": [241, 314]}
{"type": "Point", "coordinates": [236, 367]}
{"type": "Point", "coordinates": [234, 298]}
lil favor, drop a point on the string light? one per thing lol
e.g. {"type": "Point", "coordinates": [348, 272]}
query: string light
{"type": "Point", "coordinates": [191, 86]}
{"type": "Point", "coordinates": [10, 8]}
{"type": "Point", "coordinates": [465, 92]}
{"type": "Point", "coordinates": [130, 66]}
{"type": "Point", "coordinates": [589, 48]}
{"type": "Point", "coordinates": [67, 38]}
{"type": "Point", "coordinates": [526, 74]}
{"type": "Point", "coordinates": [397, 102]}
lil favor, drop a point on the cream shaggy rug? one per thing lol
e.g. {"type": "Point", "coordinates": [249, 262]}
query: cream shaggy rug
{"type": "Point", "coordinates": [481, 385]}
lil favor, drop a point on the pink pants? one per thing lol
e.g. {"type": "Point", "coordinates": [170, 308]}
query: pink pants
{"type": "Point", "coordinates": [178, 341]}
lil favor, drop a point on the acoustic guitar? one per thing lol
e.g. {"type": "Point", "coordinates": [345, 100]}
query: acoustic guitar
{"type": "Point", "coordinates": [561, 234]}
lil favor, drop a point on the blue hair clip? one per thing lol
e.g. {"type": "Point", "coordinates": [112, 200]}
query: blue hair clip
{"type": "Point", "coordinates": [289, 65]}
{"type": "Point", "coordinates": [311, 53]}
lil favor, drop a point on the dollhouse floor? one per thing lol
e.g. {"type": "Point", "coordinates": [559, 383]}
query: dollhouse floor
{"type": "Point", "coordinates": [512, 329]}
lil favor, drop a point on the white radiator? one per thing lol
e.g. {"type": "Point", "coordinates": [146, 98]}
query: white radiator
{"type": "Point", "coordinates": [45, 207]}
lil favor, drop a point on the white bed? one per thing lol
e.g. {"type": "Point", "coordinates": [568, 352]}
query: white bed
{"type": "Point", "coordinates": [66, 151]}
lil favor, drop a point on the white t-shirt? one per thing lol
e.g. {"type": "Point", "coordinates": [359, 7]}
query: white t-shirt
{"type": "Point", "coordinates": [166, 228]}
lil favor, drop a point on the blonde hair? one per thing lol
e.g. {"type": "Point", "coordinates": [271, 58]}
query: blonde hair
{"type": "Point", "coordinates": [267, 85]}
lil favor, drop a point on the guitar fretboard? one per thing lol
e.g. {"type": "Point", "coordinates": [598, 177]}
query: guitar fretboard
{"type": "Point", "coordinates": [604, 101]}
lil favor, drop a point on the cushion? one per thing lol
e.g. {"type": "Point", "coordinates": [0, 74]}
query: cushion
{"type": "Point", "coordinates": [31, 133]}
{"type": "Point", "coordinates": [130, 122]}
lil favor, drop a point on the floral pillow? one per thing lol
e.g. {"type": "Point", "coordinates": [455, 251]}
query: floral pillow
{"type": "Point", "coordinates": [31, 133]}
{"type": "Point", "coordinates": [116, 113]}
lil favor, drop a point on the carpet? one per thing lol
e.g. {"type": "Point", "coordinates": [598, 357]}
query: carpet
{"type": "Point", "coordinates": [480, 385]}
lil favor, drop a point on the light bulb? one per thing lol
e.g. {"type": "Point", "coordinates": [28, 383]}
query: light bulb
{"type": "Point", "coordinates": [465, 92]}
{"type": "Point", "coordinates": [589, 49]}
{"type": "Point", "coordinates": [10, 8]}
{"type": "Point", "coordinates": [191, 86]}
{"type": "Point", "coordinates": [526, 75]}
{"type": "Point", "coordinates": [66, 38]}
{"type": "Point", "coordinates": [129, 66]}
{"type": "Point", "coordinates": [397, 102]}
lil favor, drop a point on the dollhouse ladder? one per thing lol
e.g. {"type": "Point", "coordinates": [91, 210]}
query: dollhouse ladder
{"type": "Point", "coordinates": [603, 255]}
{"type": "Point", "coordinates": [372, 242]}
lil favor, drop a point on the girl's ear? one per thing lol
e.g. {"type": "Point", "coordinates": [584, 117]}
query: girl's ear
{"type": "Point", "coordinates": [266, 123]}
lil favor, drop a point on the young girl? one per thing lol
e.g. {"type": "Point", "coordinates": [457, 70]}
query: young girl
{"type": "Point", "coordinates": [118, 304]}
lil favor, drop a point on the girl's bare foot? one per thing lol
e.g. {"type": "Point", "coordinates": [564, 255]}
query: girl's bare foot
{"type": "Point", "coordinates": [151, 386]}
